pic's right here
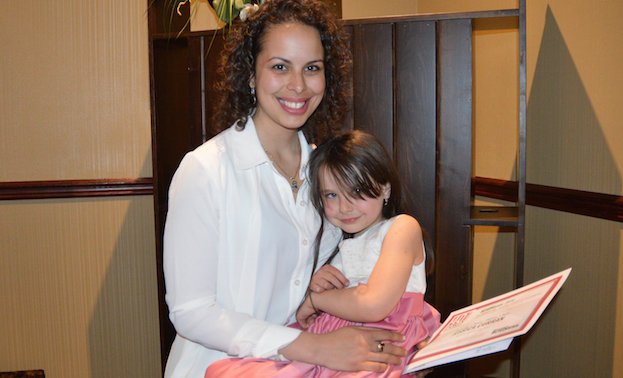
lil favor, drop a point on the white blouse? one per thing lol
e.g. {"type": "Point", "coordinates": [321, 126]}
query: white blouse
{"type": "Point", "coordinates": [238, 252]}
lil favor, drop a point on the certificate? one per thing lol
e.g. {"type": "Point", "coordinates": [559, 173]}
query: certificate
{"type": "Point", "coordinates": [488, 326]}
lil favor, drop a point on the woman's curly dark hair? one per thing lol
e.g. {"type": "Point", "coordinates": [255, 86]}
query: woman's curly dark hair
{"type": "Point", "coordinates": [243, 44]}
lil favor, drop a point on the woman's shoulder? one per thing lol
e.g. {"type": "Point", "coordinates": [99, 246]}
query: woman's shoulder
{"type": "Point", "coordinates": [212, 152]}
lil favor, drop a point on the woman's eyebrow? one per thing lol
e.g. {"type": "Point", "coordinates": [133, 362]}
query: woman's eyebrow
{"type": "Point", "coordinates": [290, 62]}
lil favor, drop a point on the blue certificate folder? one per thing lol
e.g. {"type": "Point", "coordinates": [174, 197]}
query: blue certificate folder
{"type": "Point", "coordinates": [489, 326]}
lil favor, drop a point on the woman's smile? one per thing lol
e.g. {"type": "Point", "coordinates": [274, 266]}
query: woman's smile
{"type": "Point", "coordinates": [294, 106]}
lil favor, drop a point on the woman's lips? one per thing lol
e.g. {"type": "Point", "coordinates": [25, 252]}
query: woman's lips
{"type": "Point", "coordinates": [294, 106]}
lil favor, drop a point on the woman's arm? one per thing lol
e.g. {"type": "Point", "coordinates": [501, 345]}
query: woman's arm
{"type": "Point", "coordinates": [401, 249]}
{"type": "Point", "coordinates": [193, 268]}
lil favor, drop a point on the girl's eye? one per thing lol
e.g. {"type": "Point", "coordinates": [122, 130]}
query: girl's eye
{"type": "Point", "coordinates": [330, 195]}
{"type": "Point", "coordinates": [312, 68]}
{"type": "Point", "coordinates": [357, 191]}
{"type": "Point", "coordinates": [279, 67]}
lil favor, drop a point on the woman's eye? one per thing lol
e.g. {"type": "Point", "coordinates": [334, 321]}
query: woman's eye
{"type": "Point", "coordinates": [314, 68]}
{"type": "Point", "coordinates": [279, 67]}
{"type": "Point", "coordinates": [330, 195]}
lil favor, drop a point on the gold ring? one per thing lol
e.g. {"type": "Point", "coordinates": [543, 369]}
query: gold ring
{"type": "Point", "coordinates": [380, 347]}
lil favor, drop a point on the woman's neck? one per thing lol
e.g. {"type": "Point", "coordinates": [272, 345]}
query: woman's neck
{"type": "Point", "coordinates": [281, 145]}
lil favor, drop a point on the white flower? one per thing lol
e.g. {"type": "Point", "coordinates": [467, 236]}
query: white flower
{"type": "Point", "coordinates": [248, 10]}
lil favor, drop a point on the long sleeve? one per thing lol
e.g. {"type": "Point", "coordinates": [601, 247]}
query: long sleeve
{"type": "Point", "coordinates": [191, 264]}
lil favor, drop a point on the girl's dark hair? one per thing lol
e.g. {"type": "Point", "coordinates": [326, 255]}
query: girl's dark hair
{"type": "Point", "coordinates": [361, 166]}
{"type": "Point", "coordinates": [244, 43]}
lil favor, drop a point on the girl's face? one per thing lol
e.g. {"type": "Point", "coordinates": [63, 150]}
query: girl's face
{"type": "Point", "coordinates": [289, 78]}
{"type": "Point", "coordinates": [346, 210]}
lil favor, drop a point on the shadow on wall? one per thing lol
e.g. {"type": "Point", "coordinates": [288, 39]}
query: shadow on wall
{"type": "Point", "coordinates": [123, 330]}
{"type": "Point", "coordinates": [566, 148]}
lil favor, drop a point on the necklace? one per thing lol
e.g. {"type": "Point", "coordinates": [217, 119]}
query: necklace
{"type": "Point", "coordinates": [294, 184]}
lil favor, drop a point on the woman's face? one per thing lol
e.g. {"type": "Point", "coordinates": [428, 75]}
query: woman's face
{"type": "Point", "coordinates": [289, 76]}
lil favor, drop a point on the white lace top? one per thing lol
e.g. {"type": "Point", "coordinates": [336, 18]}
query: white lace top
{"type": "Point", "coordinates": [358, 256]}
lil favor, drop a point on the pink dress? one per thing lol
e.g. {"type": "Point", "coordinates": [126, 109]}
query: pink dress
{"type": "Point", "coordinates": [412, 317]}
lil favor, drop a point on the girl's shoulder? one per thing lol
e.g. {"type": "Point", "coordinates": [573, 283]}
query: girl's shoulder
{"type": "Point", "coordinates": [404, 226]}
{"type": "Point", "coordinates": [405, 221]}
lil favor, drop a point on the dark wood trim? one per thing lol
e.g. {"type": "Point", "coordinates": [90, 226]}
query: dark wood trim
{"type": "Point", "coordinates": [21, 190]}
{"type": "Point", "coordinates": [433, 17]}
{"type": "Point", "coordinates": [592, 204]}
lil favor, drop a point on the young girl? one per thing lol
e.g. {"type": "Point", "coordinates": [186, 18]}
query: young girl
{"type": "Point", "coordinates": [381, 256]}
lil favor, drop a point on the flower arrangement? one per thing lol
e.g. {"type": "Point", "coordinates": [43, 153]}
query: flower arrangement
{"type": "Point", "coordinates": [226, 10]}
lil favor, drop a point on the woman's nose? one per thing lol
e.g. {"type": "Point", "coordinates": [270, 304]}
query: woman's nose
{"type": "Point", "coordinates": [297, 82]}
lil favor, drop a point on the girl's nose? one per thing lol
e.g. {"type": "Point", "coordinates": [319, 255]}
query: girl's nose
{"type": "Point", "coordinates": [345, 205]}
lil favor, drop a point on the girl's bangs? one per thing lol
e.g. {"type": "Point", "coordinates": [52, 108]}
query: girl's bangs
{"type": "Point", "coordinates": [351, 180]}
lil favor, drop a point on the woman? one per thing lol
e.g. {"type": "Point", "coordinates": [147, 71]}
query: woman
{"type": "Point", "coordinates": [240, 227]}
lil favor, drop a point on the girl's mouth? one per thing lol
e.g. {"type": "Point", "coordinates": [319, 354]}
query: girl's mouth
{"type": "Point", "coordinates": [349, 220]}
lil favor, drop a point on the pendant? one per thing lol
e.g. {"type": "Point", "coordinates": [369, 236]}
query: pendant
{"type": "Point", "coordinates": [294, 185]}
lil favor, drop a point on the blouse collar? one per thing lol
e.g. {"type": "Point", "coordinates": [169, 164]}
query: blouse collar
{"type": "Point", "coordinates": [248, 151]}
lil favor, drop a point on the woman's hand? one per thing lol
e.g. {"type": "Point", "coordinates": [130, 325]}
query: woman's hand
{"type": "Point", "coordinates": [348, 349]}
{"type": "Point", "coordinates": [306, 314]}
{"type": "Point", "coordinates": [326, 278]}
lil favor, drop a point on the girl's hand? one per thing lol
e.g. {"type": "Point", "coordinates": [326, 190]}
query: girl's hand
{"type": "Point", "coordinates": [306, 314]}
{"type": "Point", "coordinates": [326, 278]}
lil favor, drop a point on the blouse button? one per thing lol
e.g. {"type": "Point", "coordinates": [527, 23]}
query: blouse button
{"type": "Point", "coordinates": [302, 203]}
{"type": "Point", "coordinates": [297, 282]}
{"type": "Point", "coordinates": [304, 241]}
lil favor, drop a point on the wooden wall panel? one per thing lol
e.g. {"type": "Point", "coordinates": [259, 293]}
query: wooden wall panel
{"type": "Point", "coordinates": [416, 119]}
{"type": "Point", "coordinates": [372, 81]}
{"type": "Point", "coordinates": [453, 275]}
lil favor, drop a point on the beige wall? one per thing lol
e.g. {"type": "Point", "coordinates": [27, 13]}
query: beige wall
{"type": "Point", "coordinates": [77, 277]}
{"type": "Point", "coordinates": [575, 140]}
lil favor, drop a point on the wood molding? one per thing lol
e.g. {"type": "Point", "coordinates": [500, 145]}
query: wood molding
{"type": "Point", "coordinates": [592, 204]}
{"type": "Point", "coordinates": [21, 190]}
{"type": "Point", "coordinates": [433, 17]}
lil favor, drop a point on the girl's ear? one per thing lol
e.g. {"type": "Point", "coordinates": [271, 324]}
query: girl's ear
{"type": "Point", "coordinates": [387, 191]}
{"type": "Point", "coordinates": [252, 82]}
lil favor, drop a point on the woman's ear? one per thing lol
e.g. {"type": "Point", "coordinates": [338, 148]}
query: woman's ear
{"type": "Point", "coordinates": [252, 82]}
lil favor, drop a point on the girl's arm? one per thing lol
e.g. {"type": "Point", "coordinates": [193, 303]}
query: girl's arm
{"type": "Point", "coordinates": [401, 249]}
